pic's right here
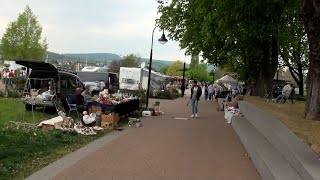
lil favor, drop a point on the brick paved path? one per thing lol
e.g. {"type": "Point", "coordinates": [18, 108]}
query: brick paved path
{"type": "Point", "coordinates": [170, 149]}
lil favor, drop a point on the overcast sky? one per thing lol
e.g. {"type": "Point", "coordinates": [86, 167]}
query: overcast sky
{"type": "Point", "coordinates": [82, 26]}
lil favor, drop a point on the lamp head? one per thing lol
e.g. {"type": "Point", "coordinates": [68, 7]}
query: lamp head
{"type": "Point", "coordinates": [163, 39]}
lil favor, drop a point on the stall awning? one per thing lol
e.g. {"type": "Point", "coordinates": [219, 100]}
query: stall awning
{"type": "Point", "coordinates": [227, 79]}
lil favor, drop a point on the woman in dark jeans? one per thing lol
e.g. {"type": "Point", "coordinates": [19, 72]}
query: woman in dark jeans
{"type": "Point", "coordinates": [196, 92]}
{"type": "Point", "coordinates": [206, 92]}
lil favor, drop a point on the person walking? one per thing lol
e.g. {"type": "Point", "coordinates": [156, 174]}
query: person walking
{"type": "Point", "coordinates": [206, 93]}
{"type": "Point", "coordinates": [211, 91]}
{"type": "Point", "coordinates": [183, 88]}
{"type": "Point", "coordinates": [11, 75]}
{"type": "Point", "coordinates": [196, 92]}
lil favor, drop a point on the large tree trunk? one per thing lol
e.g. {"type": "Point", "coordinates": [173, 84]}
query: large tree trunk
{"type": "Point", "coordinates": [311, 19]}
{"type": "Point", "coordinates": [267, 68]}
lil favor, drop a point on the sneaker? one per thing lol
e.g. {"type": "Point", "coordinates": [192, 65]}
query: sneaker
{"type": "Point", "coordinates": [192, 115]}
{"type": "Point", "coordinates": [196, 115]}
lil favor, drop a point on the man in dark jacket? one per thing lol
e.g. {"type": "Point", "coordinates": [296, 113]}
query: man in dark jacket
{"type": "Point", "coordinates": [196, 92]}
{"type": "Point", "coordinates": [78, 99]}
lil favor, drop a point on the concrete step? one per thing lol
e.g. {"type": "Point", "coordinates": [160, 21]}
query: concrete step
{"type": "Point", "coordinates": [298, 154]}
{"type": "Point", "coordinates": [268, 160]}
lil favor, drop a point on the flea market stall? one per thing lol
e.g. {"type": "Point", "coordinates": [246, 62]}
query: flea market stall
{"type": "Point", "coordinates": [229, 83]}
{"type": "Point", "coordinates": [112, 106]}
{"type": "Point", "coordinates": [101, 112]}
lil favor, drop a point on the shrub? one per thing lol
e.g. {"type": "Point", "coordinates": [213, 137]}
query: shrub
{"type": "Point", "coordinates": [13, 93]}
{"type": "Point", "coordinates": [166, 94]}
{"type": "Point", "coordinates": [19, 83]}
{"type": "Point", "coordinates": [2, 94]}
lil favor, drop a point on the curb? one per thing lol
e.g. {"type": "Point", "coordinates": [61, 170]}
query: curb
{"type": "Point", "coordinates": [70, 159]}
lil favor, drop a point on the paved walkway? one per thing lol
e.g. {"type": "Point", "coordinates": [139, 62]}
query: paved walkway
{"type": "Point", "coordinates": [165, 148]}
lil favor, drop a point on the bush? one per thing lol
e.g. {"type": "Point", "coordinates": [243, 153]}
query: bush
{"type": "Point", "coordinates": [19, 83]}
{"type": "Point", "coordinates": [166, 94]}
{"type": "Point", "coordinates": [2, 94]}
{"type": "Point", "coordinates": [13, 93]}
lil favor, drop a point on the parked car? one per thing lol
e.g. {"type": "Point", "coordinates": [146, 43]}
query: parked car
{"type": "Point", "coordinates": [94, 78]}
{"type": "Point", "coordinates": [94, 87]}
{"type": "Point", "coordinates": [64, 83]}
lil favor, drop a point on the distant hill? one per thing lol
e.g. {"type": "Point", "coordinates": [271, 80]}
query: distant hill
{"type": "Point", "coordinates": [103, 58]}
{"type": "Point", "coordinates": [98, 57]}
{"type": "Point", "coordinates": [157, 64]}
{"type": "Point", "coordinates": [106, 58]}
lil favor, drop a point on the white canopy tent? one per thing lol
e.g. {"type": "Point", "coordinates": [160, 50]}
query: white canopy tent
{"type": "Point", "coordinates": [228, 82]}
{"type": "Point", "coordinates": [227, 79]}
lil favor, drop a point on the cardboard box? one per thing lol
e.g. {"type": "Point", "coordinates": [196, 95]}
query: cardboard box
{"type": "Point", "coordinates": [107, 125]}
{"type": "Point", "coordinates": [110, 118]}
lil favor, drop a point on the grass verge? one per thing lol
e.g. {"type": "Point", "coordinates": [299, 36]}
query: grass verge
{"type": "Point", "coordinates": [24, 151]}
{"type": "Point", "coordinates": [292, 115]}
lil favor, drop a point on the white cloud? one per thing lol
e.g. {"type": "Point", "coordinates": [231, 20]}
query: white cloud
{"type": "Point", "coordinates": [138, 28]}
{"type": "Point", "coordinates": [120, 27]}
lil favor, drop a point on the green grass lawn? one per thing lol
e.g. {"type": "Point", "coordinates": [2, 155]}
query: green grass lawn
{"type": "Point", "coordinates": [14, 110]}
{"type": "Point", "coordinates": [24, 151]}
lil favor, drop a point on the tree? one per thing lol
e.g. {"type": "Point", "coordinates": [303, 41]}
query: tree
{"type": "Point", "coordinates": [219, 72]}
{"type": "Point", "coordinates": [311, 20]}
{"type": "Point", "coordinates": [242, 36]}
{"type": "Point", "coordinates": [293, 56]}
{"type": "Point", "coordinates": [130, 60]}
{"type": "Point", "coordinates": [294, 47]}
{"type": "Point", "coordinates": [212, 73]}
{"type": "Point", "coordinates": [114, 66]}
{"type": "Point", "coordinates": [199, 73]}
{"type": "Point", "coordinates": [174, 67]}
{"type": "Point", "coordinates": [164, 69]}
{"type": "Point", "coordinates": [22, 38]}
{"type": "Point", "coordinates": [194, 61]}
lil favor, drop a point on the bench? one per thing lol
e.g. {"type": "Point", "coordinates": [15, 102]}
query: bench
{"type": "Point", "coordinates": [290, 97]}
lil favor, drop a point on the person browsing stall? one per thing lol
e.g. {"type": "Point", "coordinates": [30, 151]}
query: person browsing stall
{"type": "Point", "coordinates": [86, 94]}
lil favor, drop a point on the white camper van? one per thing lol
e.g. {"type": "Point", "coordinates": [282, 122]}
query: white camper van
{"type": "Point", "coordinates": [129, 78]}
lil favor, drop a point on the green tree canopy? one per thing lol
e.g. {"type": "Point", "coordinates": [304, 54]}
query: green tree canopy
{"type": "Point", "coordinates": [130, 60]}
{"type": "Point", "coordinates": [174, 68]}
{"type": "Point", "coordinates": [199, 72]}
{"type": "Point", "coordinates": [164, 69]}
{"type": "Point", "coordinates": [114, 66]}
{"type": "Point", "coordinates": [194, 61]}
{"type": "Point", "coordinates": [240, 35]}
{"type": "Point", "coordinates": [22, 38]}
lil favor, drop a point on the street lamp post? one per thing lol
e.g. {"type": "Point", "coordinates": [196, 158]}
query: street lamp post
{"type": "Point", "coordinates": [183, 76]}
{"type": "Point", "coordinates": [162, 40]}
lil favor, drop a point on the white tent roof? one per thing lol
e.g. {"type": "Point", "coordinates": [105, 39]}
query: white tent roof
{"type": "Point", "coordinates": [280, 77]}
{"type": "Point", "coordinates": [227, 79]}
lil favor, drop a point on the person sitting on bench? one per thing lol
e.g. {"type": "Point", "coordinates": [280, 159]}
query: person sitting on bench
{"type": "Point", "coordinates": [286, 91]}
